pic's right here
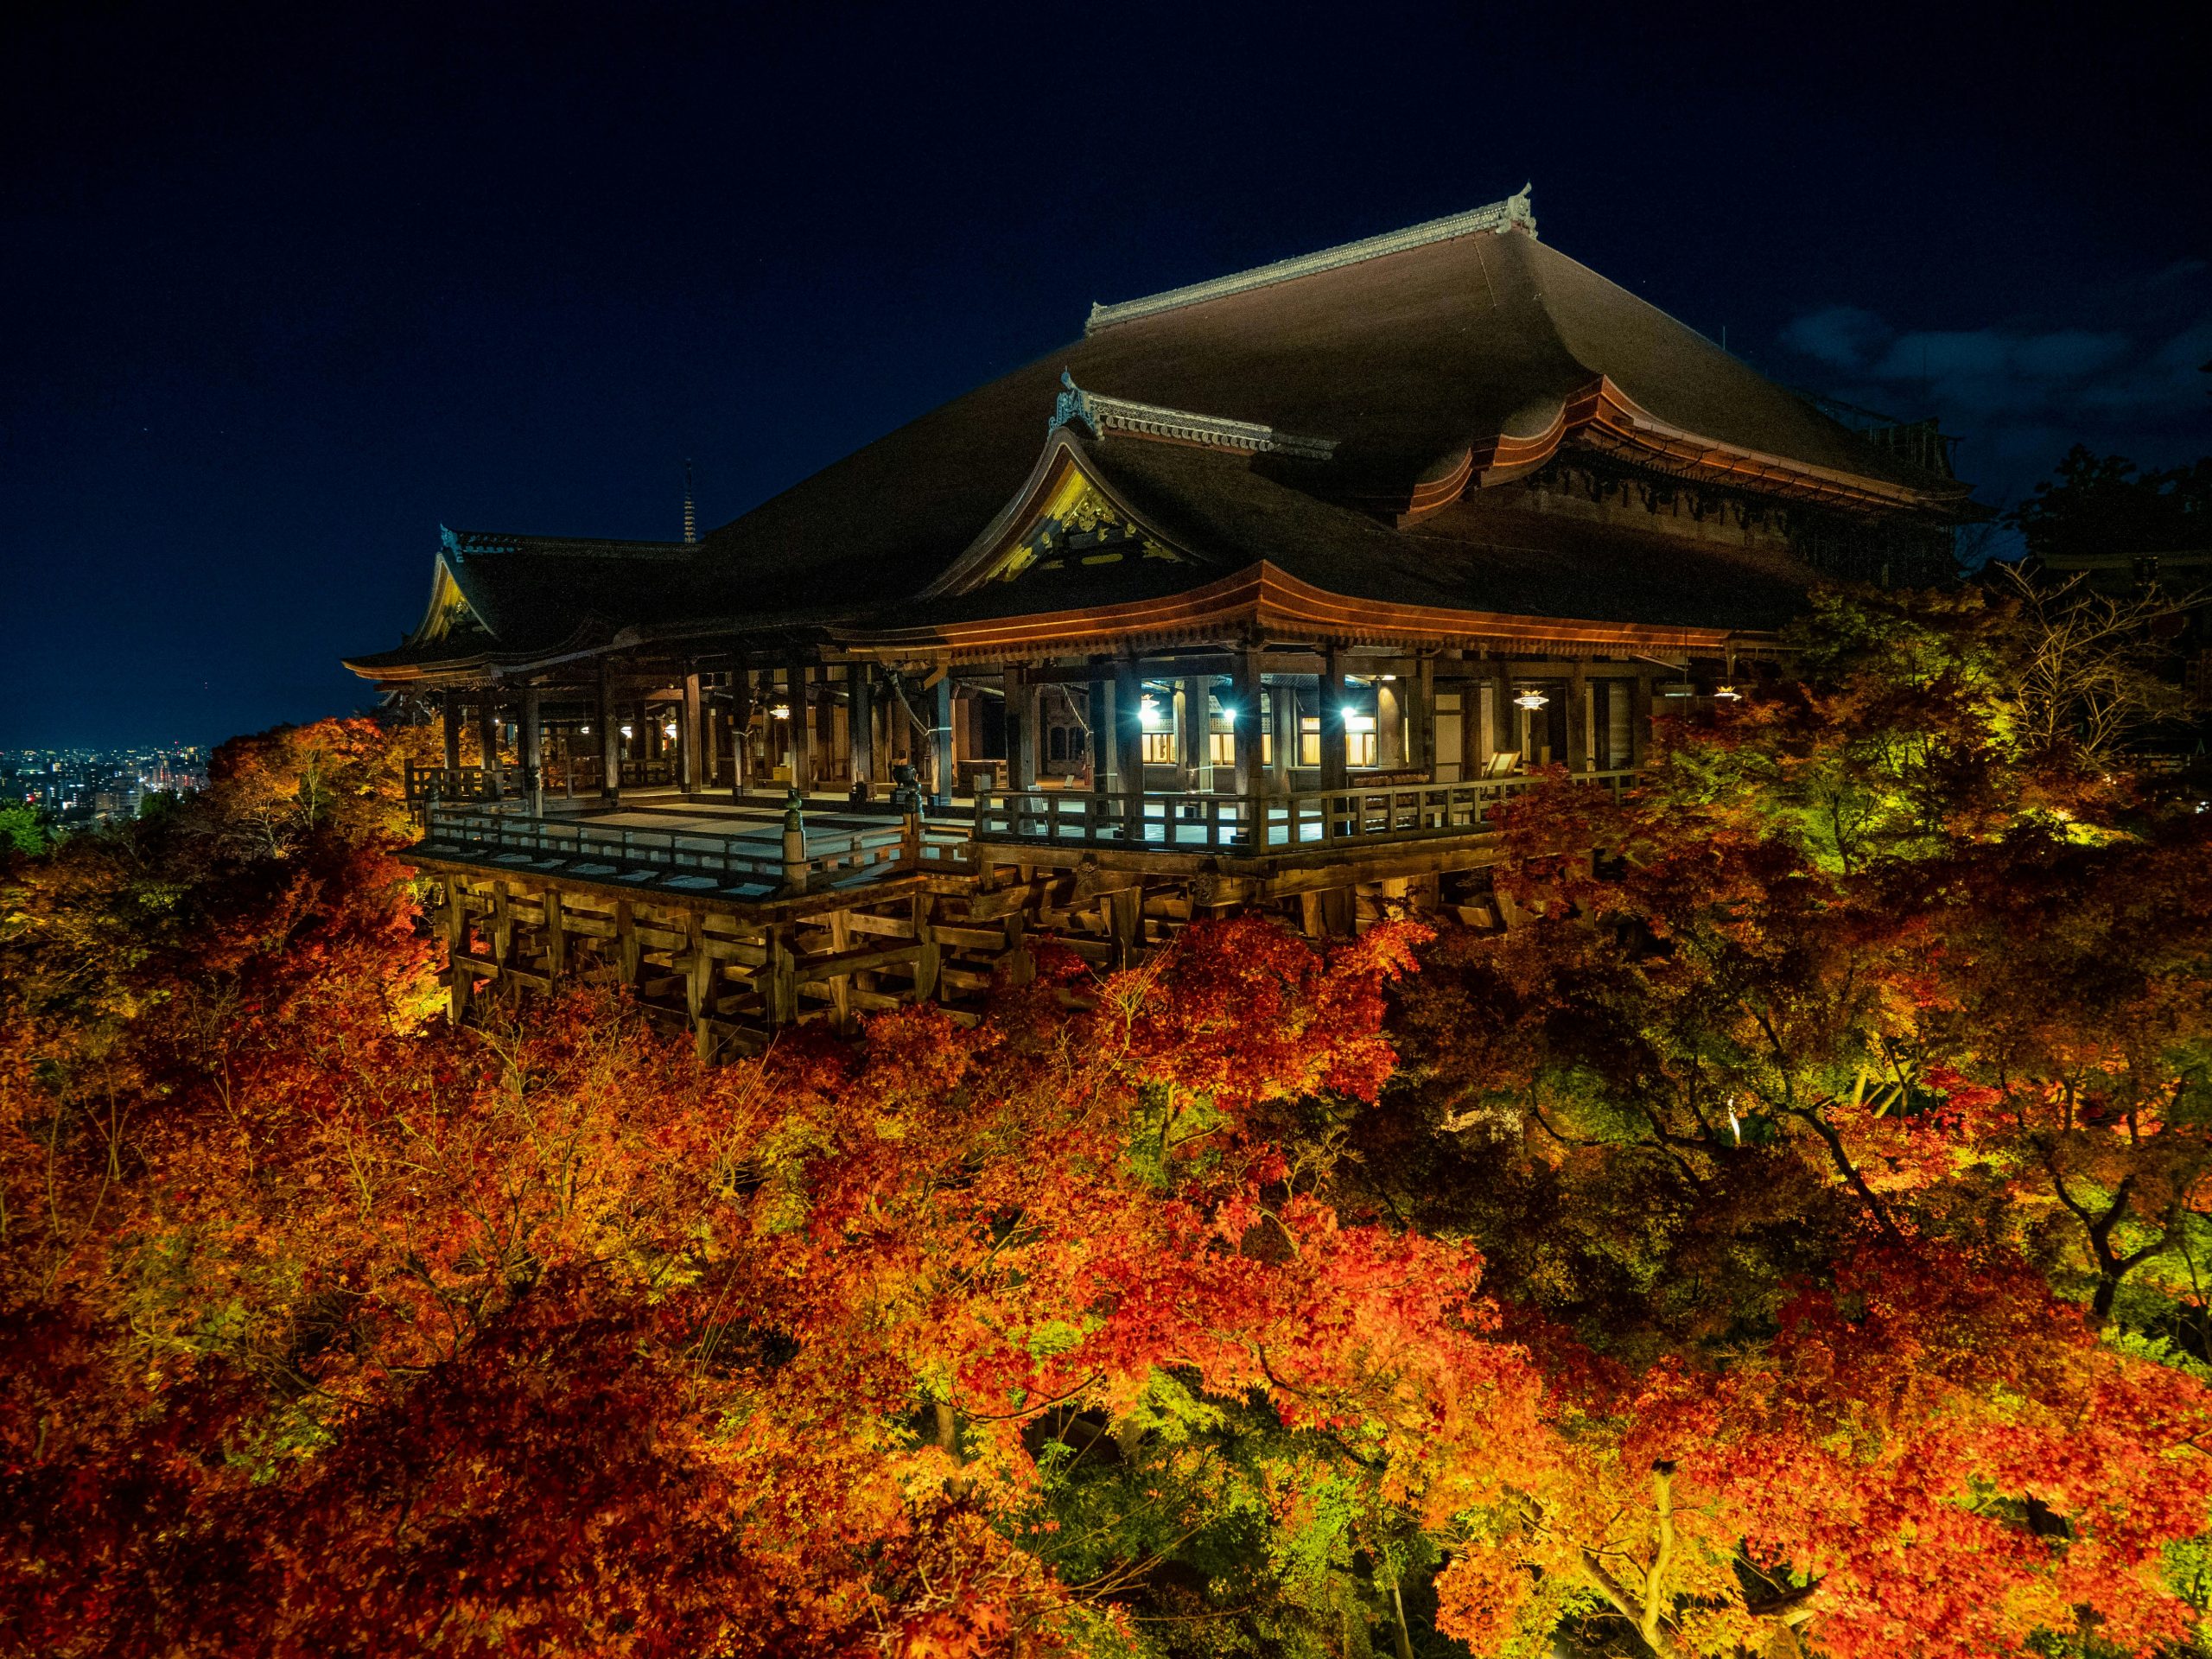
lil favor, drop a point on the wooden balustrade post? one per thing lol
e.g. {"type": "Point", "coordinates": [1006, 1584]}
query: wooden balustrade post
{"type": "Point", "coordinates": [794, 843]}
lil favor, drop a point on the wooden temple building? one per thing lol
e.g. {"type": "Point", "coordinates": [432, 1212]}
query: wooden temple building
{"type": "Point", "coordinates": [1262, 593]}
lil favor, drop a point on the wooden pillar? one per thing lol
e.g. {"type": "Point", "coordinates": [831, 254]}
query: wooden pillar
{"type": "Point", "coordinates": [1024, 708]}
{"type": "Point", "coordinates": [941, 740]}
{"type": "Point", "coordinates": [1420, 721]}
{"type": "Point", "coordinates": [1390, 746]}
{"type": "Point", "coordinates": [487, 742]}
{"type": "Point", "coordinates": [1194, 731]}
{"type": "Point", "coordinates": [860, 720]}
{"type": "Point", "coordinates": [610, 738]}
{"type": "Point", "coordinates": [458, 981]}
{"type": "Point", "coordinates": [1244, 726]}
{"type": "Point", "coordinates": [825, 724]}
{"type": "Point", "coordinates": [740, 729]}
{"type": "Point", "coordinates": [694, 775]}
{"type": "Point", "coordinates": [1128, 744]}
{"type": "Point", "coordinates": [1578, 718]}
{"type": "Point", "coordinates": [801, 729]}
{"type": "Point", "coordinates": [450, 713]}
{"type": "Point", "coordinates": [1283, 711]}
{"type": "Point", "coordinates": [1336, 759]}
{"type": "Point", "coordinates": [1104, 756]}
{"type": "Point", "coordinates": [1639, 722]}
{"type": "Point", "coordinates": [1483, 724]}
{"type": "Point", "coordinates": [533, 750]}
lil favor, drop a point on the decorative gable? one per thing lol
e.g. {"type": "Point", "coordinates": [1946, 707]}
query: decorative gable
{"type": "Point", "coordinates": [449, 615]}
{"type": "Point", "coordinates": [1075, 526]}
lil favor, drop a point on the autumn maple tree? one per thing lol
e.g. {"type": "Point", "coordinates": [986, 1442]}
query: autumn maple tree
{"type": "Point", "coordinates": [1783, 1240]}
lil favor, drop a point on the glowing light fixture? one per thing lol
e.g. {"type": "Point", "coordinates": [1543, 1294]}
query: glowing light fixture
{"type": "Point", "coordinates": [1531, 699]}
{"type": "Point", "coordinates": [626, 732]}
{"type": "Point", "coordinates": [1726, 694]}
{"type": "Point", "coordinates": [670, 729]}
{"type": "Point", "coordinates": [1148, 715]}
{"type": "Point", "coordinates": [1228, 715]}
{"type": "Point", "coordinates": [781, 711]}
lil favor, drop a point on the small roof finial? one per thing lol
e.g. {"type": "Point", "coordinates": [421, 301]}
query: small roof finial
{"type": "Point", "coordinates": [691, 518]}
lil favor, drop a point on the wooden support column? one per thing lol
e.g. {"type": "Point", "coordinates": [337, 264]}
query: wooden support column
{"type": "Point", "coordinates": [1024, 710]}
{"type": "Point", "coordinates": [460, 982]}
{"type": "Point", "coordinates": [941, 756]}
{"type": "Point", "coordinates": [741, 730]}
{"type": "Point", "coordinates": [556, 935]}
{"type": "Point", "coordinates": [1639, 722]}
{"type": "Point", "coordinates": [1283, 712]}
{"type": "Point", "coordinates": [487, 742]}
{"type": "Point", "coordinates": [825, 725]}
{"type": "Point", "coordinates": [1128, 744]}
{"type": "Point", "coordinates": [929, 961]}
{"type": "Point", "coordinates": [860, 720]}
{"type": "Point", "coordinates": [629, 950]}
{"type": "Point", "coordinates": [610, 738]}
{"type": "Point", "coordinates": [1421, 716]}
{"type": "Point", "coordinates": [1579, 734]}
{"type": "Point", "coordinates": [533, 750]}
{"type": "Point", "coordinates": [1483, 725]}
{"type": "Point", "coordinates": [1104, 757]}
{"type": "Point", "coordinates": [699, 986]}
{"type": "Point", "coordinates": [1336, 757]}
{"type": "Point", "coordinates": [801, 729]}
{"type": "Point", "coordinates": [449, 712]}
{"type": "Point", "coordinates": [1194, 728]}
{"type": "Point", "coordinates": [1244, 726]}
{"type": "Point", "coordinates": [694, 775]}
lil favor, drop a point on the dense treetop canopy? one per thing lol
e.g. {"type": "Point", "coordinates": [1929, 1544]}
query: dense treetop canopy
{"type": "Point", "coordinates": [1784, 1240]}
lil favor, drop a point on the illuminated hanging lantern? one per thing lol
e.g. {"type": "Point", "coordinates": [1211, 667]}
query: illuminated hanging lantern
{"type": "Point", "coordinates": [1148, 715]}
{"type": "Point", "coordinates": [1530, 699]}
{"type": "Point", "coordinates": [626, 732]}
{"type": "Point", "coordinates": [1727, 693]}
{"type": "Point", "coordinates": [781, 711]}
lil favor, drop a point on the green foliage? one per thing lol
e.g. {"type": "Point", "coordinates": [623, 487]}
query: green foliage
{"type": "Point", "coordinates": [23, 829]}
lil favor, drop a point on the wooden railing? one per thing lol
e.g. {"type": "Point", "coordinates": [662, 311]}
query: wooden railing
{"type": "Point", "coordinates": [427, 783]}
{"type": "Point", "coordinates": [1278, 824]}
{"type": "Point", "coordinates": [699, 859]}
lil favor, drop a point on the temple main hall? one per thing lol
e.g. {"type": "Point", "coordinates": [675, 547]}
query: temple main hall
{"type": "Point", "coordinates": [1263, 593]}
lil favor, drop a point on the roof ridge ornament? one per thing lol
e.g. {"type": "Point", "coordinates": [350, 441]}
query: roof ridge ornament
{"type": "Point", "coordinates": [1098, 415]}
{"type": "Point", "coordinates": [1497, 217]}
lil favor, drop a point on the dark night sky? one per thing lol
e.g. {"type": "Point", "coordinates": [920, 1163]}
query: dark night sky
{"type": "Point", "coordinates": [285, 290]}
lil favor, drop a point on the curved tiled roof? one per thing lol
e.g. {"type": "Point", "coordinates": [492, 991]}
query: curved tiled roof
{"type": "Point", "coordinates": [1421, 370]}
